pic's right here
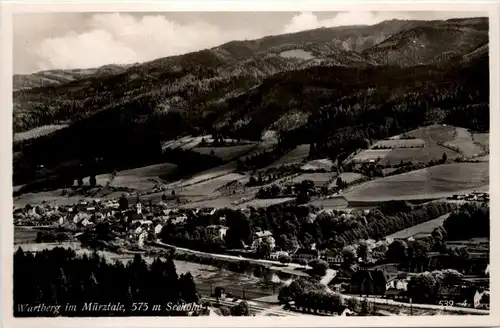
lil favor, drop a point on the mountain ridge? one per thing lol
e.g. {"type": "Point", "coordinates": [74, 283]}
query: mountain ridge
{"type": "Point", "coordinates": [241, 93]}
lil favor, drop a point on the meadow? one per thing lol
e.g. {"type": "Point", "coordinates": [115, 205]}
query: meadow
{"type": "Point", "coordinates": [319, 179]}
{"type": "Point", "coordinates": [370, 154]}
{"type": "Point", "coordinates": [142, 178]}
{"type": "Point", "coordinates": [417, 155]}
{"type": "Point", "coordinates": [349, 177]}
{"type": "Point", "coordinates": [426, 227]}
{"type": "Point", "coordinates": [37, 132]}
{"type": "Point", "coordinates": [433, 182]}
{"type": "Point", "coordinates": [398, 143]}
{"type": "Point", "coordinates": [464, 143]}
{"type": "Point", "coordinates": [225, 153]}
{"type": "Point", "coordinates": [295, 156]}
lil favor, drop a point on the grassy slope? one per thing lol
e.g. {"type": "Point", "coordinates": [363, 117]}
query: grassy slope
{"type": "Point", "coordinates": [434, 182]}
{"type": "Point", "coordinates": [426, 227]}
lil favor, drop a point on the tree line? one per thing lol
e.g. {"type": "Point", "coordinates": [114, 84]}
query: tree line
{"type": "Point", "coordinates": [295, 225]}
{"type": "Point", "coordinates": [59, 277]}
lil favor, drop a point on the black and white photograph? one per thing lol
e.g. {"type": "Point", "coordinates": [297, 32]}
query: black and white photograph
{"type": "Point", "coordinates": [306, 164]}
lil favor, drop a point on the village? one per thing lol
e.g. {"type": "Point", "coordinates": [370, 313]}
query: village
{"type": "Point", "coordinates": [119, 227]}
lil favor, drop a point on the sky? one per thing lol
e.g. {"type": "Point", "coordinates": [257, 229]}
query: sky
{"type": "Point", "coordinates": [44, 41]}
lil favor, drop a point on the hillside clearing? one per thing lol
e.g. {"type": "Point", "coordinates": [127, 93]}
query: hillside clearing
{"type": "Point", "coordinates": [483, 139]}
{"type": "Point", "coordinates": [227, 152]}
{"type": "Point", "coordinates": [37, 132]}
{"type": "Point", "coordinates": [349, 177]}
{"type": "Point", "coordinates": [417, 155]}
{"type": "Point", "coordinates": [265, 202]}
{"type": "Point", "coordinates": [297, 53]}
{"type": "Point", "coordinates": [424, 228]}
{"type": "Point", "coordinates": [318, 178]}
{"type": "Point", "coordinates": [436, 181]}
{"type": "Point", "coordinates": [209, 187]}
{"type": "Point", "coordinates": [295, 156]}
{"type": "Point", "coordinates": [464, 143]}
{"type": "Point", "coordinates": [205, 175]}
{"type": "Point", "coordinates": [434, 134]}
{"type": "Point", "coordinates": [332, 203]}
{"type": "Point", "coordinates": [398, 143]}
{"type": "Point", "coordinates": [139, 178]}
{"type": "Point", "coordinates": [368, 155]}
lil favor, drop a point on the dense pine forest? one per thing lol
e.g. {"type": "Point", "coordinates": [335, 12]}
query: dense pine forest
{"type": "Point", "coordinates": [59, 277]}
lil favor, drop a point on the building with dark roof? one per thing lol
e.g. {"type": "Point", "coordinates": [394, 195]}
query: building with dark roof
{"type": "Point", "coordinates": [370, 281]}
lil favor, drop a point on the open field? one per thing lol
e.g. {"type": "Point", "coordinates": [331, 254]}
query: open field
{"type": "Point", "coordinates": [296, 156]}
{"type": "Point", "coordinates": [53, 197]}
{"type": "Point", "coordinates": [332, 203]}
{"type": "Point", "coordinates": [37, 132]}
{"type": "Point", "coordinates": [482, 138]}
{"type": "Point", "coordinates": [485, 158]}
{"type": "Point", "coordinates": [187, 142]}
{"type": "Point", "coordinates": [205, 175]}
{"type": "Point", "coordinates": [216, 202]}
{"type": "Point", "coordinates": [348, 177]}
{"type": "Point", "coordinates": [465, 143]}
{"type": "Point", "coordinates": [434, 134]}
{"type": "Point", "coordinates": [319, 179]}
{"type": "Point", "coordinates": [265, 202]}
{"type": "Point", "coordinates": [426, 227]}
{"type": "Point", "coordinates": [433, 182]}
{"type": "Point", "coordinates": [265, 145]}
{"type": "Point", "coordinates": [399, 143]}
{"type": "Point", "coordinates": [370, 154]}
{"type": "Point", "coordinates": [209, 187]}
{"type": "Point", "coordinates": [388, 170]}
{"type": "Point", "coordinates": [227, 152]}
{"type": "Point", "coordinates": [417, 155]}
{"type": "Point", "coordinates": [429, 143]}
{"type": "Point", "coordinates": [297, 53]}
{"type": "Point", "coordinates": [142, 178]}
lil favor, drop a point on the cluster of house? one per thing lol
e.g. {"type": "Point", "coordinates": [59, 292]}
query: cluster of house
{"type": "Point", "coordinates": [387, 281]}
{"type": "Point", "coordinates": [141, 220]}
{"type": "Point", "coordinates": [332, 257]}
{"type": "Point", "coordinates": [477, 259]}
{"type": "Point", "coordinates": [472, 197]}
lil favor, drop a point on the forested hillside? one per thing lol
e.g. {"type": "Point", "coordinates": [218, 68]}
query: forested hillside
{"type": "Point", "coordinates": [361, 83]}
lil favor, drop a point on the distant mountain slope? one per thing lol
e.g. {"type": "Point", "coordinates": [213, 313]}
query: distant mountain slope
{"type": "Point", "coordinates": [355, 38]}
{"type": "Point", "coordinates": [436, 42]}
{"type": "Point", "coordinates": [336, 97]}
{"type": "Point", "coordinates": [57, 77]}
{"type": "Point", "coordinates": [349, 90]}
{"type": "Point", "coordinates": [344, 105]}
{"type": "Point", "coordinates": [191, 82]}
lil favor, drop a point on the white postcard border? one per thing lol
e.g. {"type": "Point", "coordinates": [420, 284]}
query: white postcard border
{"type": "Point", "coordinates": [8, 9]}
